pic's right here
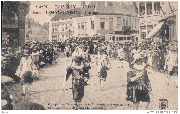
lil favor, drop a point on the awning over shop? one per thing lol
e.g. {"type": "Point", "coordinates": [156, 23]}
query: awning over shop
{"type": "Point", "coordinates": [155, 30]}
{"type": "Point", "coordinates": [5, 79]}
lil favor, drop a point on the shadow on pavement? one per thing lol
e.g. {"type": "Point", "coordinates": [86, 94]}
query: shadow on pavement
{"type": "Point", "coordinates": [35, 106]}
{"type": "Point", "coordinates": [29, 106]}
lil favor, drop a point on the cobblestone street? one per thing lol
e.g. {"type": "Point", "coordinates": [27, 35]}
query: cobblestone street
{"type": "Point", "coordinates": [51, 92]}
{"type": "Point", "coordinates": [89, 55]}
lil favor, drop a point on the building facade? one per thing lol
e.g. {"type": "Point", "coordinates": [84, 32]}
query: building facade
{"type": "Point", "coordinates": [31, 30]}
{"type": "Point", "coordinates": [151, 13]}
{"type": "Point", "coordinates": [102, 19]}
{"type": "Point", "coordinates": [60, 29]}
{"type": "Point", "coordinates": [13, 23]}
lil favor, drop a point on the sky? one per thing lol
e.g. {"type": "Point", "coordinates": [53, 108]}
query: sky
{"type": "Point", "coordinates": [42, 17]}
{"type": "Point", "coordinates": [42, 7]}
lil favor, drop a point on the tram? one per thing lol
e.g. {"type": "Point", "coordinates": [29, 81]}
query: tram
{"type": "Point", "coordinates": [121, 38]}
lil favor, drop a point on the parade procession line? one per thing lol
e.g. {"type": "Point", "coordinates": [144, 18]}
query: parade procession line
{"type": "Point", "coordinates": [51, 91]}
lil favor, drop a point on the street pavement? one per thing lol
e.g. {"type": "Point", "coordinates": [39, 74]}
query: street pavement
{"type": "Point", "coordinates": [52, 91]}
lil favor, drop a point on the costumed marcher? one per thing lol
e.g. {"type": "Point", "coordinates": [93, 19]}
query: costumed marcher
{"type": "Point", "coordinates": [115, 52]}
{"type": "Point", "coordinates": [35, 59]}
{"type": "Point", "coordinates": [138, 84]}
{"type": "Point", "coordinates": [42, 59]}
{"type": "Point", "coordinates": [87, 56]}
{"type": "Point", "coordinates": [109, 50]}
{"type": "Point", "coordinates": [86, 67]}
{"type": "Point", "coordinates": [50, 52]}
{"type": "Point", "coordinates": [120, 57]}
{"type": "Point", "coordinates": [24, 71]}
{"type": "Point", "coordinates": [155, 60]}
{"type": "Point", "coordinates": [67, 51]}
{"type": "Point", "coordinates": [55, 54]}
{"type": "Point", "coordinates": [150, 59]}
{"type": "Point", "coordinates": [172, 63]}
{"type": "Point", "coordinates": [103, 66]}
{"type": "Point", "coordinates": [45, 55]}
{"type": "Point", "coordinates": [77, 70]}
{"type": "Point", "coordinates": [35, 56]}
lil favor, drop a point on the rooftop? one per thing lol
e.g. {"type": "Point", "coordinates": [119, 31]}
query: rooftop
{"type": "Point", "coordinates": [101, 8]}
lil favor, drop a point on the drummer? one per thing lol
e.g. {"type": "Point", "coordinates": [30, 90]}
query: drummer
{"type": "Point", "coordinates": [138, 84]}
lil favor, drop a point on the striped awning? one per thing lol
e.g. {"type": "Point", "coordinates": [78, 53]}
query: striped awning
{"type": "Point", "coordinates": [6, 79]}
{"type": "Point", "coordinates": [155, 30]}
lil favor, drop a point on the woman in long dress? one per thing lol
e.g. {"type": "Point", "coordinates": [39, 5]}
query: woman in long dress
{"type": "Point", "coordinates": [24, 71]}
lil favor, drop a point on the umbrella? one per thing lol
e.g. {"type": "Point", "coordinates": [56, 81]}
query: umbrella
{"type": "Point", "coordinates": [5, 79]}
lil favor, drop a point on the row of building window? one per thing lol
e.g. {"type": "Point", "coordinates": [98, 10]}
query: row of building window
{"type": "Point", "coordinates": [133, 23]}
{"type": "Point", "coordinates": [121, 21]}
{"type": "Point", "coordinates": [64, 27]}
{"type": "Point", "coordinates": [60, 37]}
{"type": "Point", "coordinates": [82, 34]}
{"type": "Point", "coordinates": [83, 25]}
{"type": "Point", "coordinates": [120, 38]}
{"type": "Point", "coordinates": [149, 8]}
{"type": "Point", "coordinates": [59, 19]}
{"type": "Point", "coordinates": [144, 32]}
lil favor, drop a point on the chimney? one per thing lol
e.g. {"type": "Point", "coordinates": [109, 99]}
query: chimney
{"type": "Point", "coordinates": [83, 3]}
